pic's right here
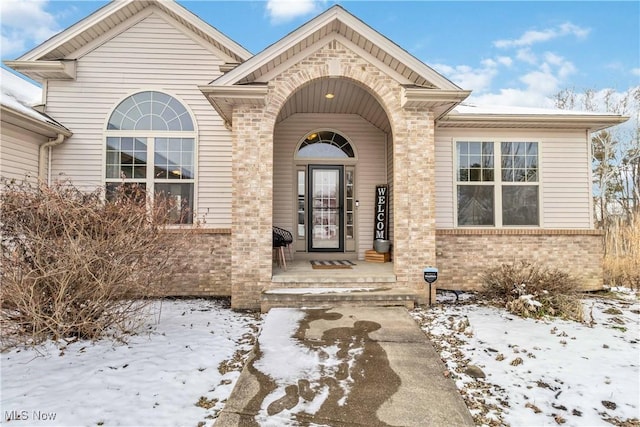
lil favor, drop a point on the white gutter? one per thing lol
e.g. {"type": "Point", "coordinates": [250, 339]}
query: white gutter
{"type": "Point", "coordinates": [47, 145]}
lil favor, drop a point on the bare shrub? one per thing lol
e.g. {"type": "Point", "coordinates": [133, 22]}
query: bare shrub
{"type": "Point", "coordinates": [622, 252]}
{"type": "Point", "coordinates": [75, 266]}
{"type": "Point", "coordinates": [528, 290]}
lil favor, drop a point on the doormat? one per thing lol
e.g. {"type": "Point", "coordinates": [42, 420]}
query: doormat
{"type": "Point", "coordinates": [328, 265]}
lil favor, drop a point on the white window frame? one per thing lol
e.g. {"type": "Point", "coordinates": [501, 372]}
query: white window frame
{"type": "Point", "coordinates": [497, 182]}
{"type": "Point", "coordinates": [302, 164]}
{"type": "Point", "coordinates": [150, 136]}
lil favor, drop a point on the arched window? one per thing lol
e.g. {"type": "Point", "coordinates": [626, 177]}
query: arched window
{"type": "Point", "coordinates": [150, 111]}
{"type": "Point", "coordinates": [151, 143]}
{"type": "Point", "coordinates": [325, 144]}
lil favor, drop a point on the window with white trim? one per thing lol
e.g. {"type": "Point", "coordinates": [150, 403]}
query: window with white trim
{"type": "Point", "coordinates": [497, 183]}
{"type": "Point", "coordinates": [151, 143]}
{"type": "Point", "coordinates": [325, 144]}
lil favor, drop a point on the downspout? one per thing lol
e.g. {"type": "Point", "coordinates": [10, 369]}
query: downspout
{"type": "Point", "coordinates": [47, 146]}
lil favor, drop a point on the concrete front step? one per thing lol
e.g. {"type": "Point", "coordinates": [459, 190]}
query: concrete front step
{"type": "Point", "coordinates": [327, 297]}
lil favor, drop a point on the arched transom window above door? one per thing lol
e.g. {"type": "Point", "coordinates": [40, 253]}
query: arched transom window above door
{"type": "Point", "coordinates": [151, 144]}
{"type": "Point", "coordinates": [325, 144]}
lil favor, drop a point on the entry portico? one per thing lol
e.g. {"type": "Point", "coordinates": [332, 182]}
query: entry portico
{"type": "Point", "coordinates": [377, 85]}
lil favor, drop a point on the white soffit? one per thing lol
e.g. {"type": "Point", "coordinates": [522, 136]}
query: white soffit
{"type": "Point", "coordinates": [339, 22]}
{"type": "Point", "coordinates": [116, 12]}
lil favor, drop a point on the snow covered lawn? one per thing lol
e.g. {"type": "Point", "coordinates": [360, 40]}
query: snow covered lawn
{"type": "Point", "coordinates": [181, 369]}
{"type": "Point", "coordinates": [542, 372]}
{"type": "Point", "coordinates": [177, 371]}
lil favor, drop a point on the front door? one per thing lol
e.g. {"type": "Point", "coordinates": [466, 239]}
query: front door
{"type": "Point", "coordinates": [326, 219]}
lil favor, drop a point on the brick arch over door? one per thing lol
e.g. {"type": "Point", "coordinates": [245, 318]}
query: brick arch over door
{"type": "Point", "coordinates": [383, 88]}
{"type": "Point", "coordinates": [412, 131]}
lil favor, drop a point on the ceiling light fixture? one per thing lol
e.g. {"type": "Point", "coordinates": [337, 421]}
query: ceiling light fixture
{"type": "Point", "coordinates": [329, 96]}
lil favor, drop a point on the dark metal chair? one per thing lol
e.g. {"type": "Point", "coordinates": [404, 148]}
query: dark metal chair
{"type": "Point", "coordinates": [282, 239]}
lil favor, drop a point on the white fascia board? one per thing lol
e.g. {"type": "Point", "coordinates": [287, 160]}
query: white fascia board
{"type": "Point", "coordinates": [111, 8]}
{"type": "Point", "coordinates": [416, 95]}
{"type": "Point", "coordinates": [205, 27]}
{"type": "Point", "coordinates": [39, 126]}
{"type": "Point", "coordinates": [336, 13]}
{"type": "Point", "coordinates": [41, 70]}
{"type": "Point", "coordinates": [135, 19]}
{"type": "Point", "coordinates": [557, 121]}
{"type": "Point", "coordinates": [276, 49]}
{"type": "Point", "coordinates": [373, 60]}
{"type": "Point", "coordinates": [396, 51]}
{"type": "Point", "coordinates": [309, 50]}
{"type": "Point", "coordinates": [248, 92]}
{"type": "Point", "coordinates": [74, 30]}
{"type": "Point", "coordinates": [112, 33]}
{"type": "Point", "coordinates": [223, 98]}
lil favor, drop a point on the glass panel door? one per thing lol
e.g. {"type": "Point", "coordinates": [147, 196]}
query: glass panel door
{"type": "Point", "coordinates": [325, 208]}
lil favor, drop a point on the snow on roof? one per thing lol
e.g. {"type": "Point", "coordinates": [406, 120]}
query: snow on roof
{"type": "Point", "coordinates": [20, 95]}
{"type": "Point", "coordinates": [466, 108]}
{"type": "Point", "coordinates": [20, 90]}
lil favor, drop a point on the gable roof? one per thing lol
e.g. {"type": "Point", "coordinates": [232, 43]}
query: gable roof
{"type": "Point", "coordinates": [247, 83]}
{"type": "Point", "coordinates": [51, 58]}
{"type": "Point", "coordinates": [344, 26]}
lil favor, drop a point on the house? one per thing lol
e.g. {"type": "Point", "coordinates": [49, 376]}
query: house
{"type": "Point", "coordinates": [305, 135]}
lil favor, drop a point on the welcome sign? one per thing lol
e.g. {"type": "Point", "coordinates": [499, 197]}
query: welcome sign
{"type": "Point", "coordinates": [381, 219]}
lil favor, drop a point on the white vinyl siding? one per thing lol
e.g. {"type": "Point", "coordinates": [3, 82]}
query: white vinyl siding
{"type": "Point", "coordinates": [369, 143]}
{"type": "Point", "coordinates": [564, 162]}
{"type": "Point", "coordinates": [445, 175]}
{"type": "Point", "coordinates": [19, 150]}
{"type": "Point", "coordinates": [567, 187]}
{"type": "Point", "coordinates": [153, 54]}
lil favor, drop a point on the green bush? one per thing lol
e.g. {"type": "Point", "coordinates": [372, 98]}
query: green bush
{"type": "Point", "coordinates": [529, 290]}
{"type": "Point", "coordinates": [75, 266]}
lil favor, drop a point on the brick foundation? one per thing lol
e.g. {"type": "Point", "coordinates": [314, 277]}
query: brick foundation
{"type": "Point", "coordinates": [463, 256]}
{"type": "Point", "coordinates": [205, 264]}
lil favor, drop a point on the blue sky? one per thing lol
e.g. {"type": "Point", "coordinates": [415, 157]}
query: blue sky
{"type": "Point", "coordinates": [507, 52]}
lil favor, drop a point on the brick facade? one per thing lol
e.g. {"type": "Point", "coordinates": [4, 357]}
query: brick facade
{"type": "Point", "coordinates": [463, 256]}
{"type": "Point", "coordinates": [204, 264]}
{"type": "Point", "coordinates": [413, 154]}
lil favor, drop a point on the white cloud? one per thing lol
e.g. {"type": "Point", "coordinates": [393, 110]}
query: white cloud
{"type": "Point", "coordinates": [537, 87]}
{"type": "Point", "coordinates": [635, 71]}
{"type": "Point", "coordinates": [10, 44]}
{"type": "Point", "coordinates": [565, 68]}
{"type": "Point", "coordinates": [526, 55]}
{"type": "Point", "coordinates": [476, 79]}
{"type": "Point", "coordinates": [286, 10]}
{"type": "Point", "coordinates": [25, 23]}
{"type": "Point", "coordinates": [538, 36]}
{"type": "Point", "coordinates": [541, 81]}
{"type": "Point", "coordinates": [504, 60]}
{"type": "Point", "coordinates": [569, 28]}
{"type": "Point", "coordinates": [513, 97]}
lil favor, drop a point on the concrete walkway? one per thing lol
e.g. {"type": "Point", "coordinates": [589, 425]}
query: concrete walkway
{"type": "Point", "coordinates": [347, 366]}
